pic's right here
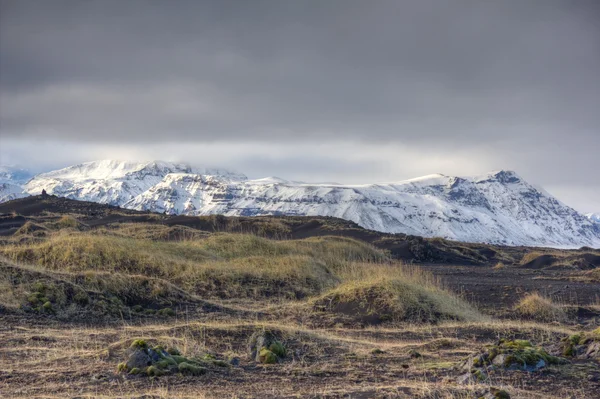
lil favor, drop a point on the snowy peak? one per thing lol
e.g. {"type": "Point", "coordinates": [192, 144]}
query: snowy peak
{"type": "Point", "coordinates": [594, 217]}
{"type": "Point", "coordinates": [505, 177]}
{"type": "Point", "coordinates": [499, 207]}
{"type": "Point", "coordinates": [11, 180]}
{"type": "Point", "coordinates": [116, 182]}
{"type": "Point", "coordinates": [112, 169]}
{"type": "Point", "coordinates": [14, 174]}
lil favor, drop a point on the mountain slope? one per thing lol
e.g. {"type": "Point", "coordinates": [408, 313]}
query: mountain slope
{"type": "Point", "coordinates": [11, 180]}
{"type": "Point", "coordinates": [594, 217]}
{"type": "Point", "coordinates": [109, 182]}
{"type": "Point", "coordinates": [499, 207]}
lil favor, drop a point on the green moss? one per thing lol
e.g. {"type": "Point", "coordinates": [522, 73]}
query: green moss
{"type": "Point", "coordinates": [179, 359]}
{"type": "Point", "coordinates": [526, 354]}
{"type": "Point", "coordinates": [166, 312]}
{"type": "Point", "coordinates": [135, 371]}
{"type": "Point", "coordinates": [47, 307]}
{"type": "Point", "coordinates": [220, 363]}
{"type": "Point", "coordinates": [575, 339]}
{"type": "Point", "coordinates": [479, 374]}
{"type": "Point", "coordinates": [138, 308]}
{"type": "Point", "coordinates": [39, 286]}
{"type": "Point", "coordinates": [35, 298]}
{"type": "Point", "coordinates": [208, 356]}
{"type": "Point", "coordinates": [174, 351]}
{"type": "Point", "coordinates": [191, 369]}
{"type": "Point", "coordinates": [165, 363]}
{"type": "Point", "coordinates": [267, 357]}
{"type": "Point", "coordinates": [121, 367]}
{"type": "Point", "coordinates": [500, 394]}
{"type": "Point", "coordinates": [278, 349]}
{"type": "Point", "coordinates": [515, 344]}
{"type": "Point", "coordinates": [81, 298]}
{"type": "Point", "coordinates": [414, 354]}
{"type": "Point", "coordinates": [153, 371]}
{"type": "Point", "coordinates": [139, 343]}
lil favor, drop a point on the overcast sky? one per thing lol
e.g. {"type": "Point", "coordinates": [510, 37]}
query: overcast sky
{"type": "Point", "coordinates": [346, 91]}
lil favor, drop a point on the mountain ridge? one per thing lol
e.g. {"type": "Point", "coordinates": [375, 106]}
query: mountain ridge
{"type": "Point", "coordinates": [498, 207]}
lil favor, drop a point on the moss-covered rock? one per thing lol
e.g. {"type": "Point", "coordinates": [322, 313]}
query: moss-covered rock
{"type": "Point", "coordinates": [278, 349]}
{"type": "Point", "coordinates": [267, 357]}
{"type": "Point", "coordinates": [155, 361]}
{"type": "Point", "coordinates": [191, 369]}
{"type": "Point", "coordinates": [265, 347]}
{"type": "Point", "coordinates": [511, 355]}
{"type": "Point", "coordinates": [583, 345]}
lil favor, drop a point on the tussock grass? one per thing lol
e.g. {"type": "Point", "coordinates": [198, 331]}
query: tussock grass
{"type": "Point", "coordinates": [537, 307]}
{"type": "Point", "coordinates": [531, 256]}
{"type": "Point", "coordinates": [377, 293]}
{"type": "Point", "coordinates": [594, 274]}
{"type": "Point", "coordinates": [29, 228]}
{"type": "Point", "coordinates": [224, 265]}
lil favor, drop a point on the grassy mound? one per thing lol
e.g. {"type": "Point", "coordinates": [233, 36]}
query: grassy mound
{"type": "Point", "coordinates": [219, 266]}
{"type": "Point", "coordinates": [87, 295]}
{"type": "Point", "coordinates": [30, 228]}
{"type": "Point", "coordinates": [536, 307]}
{"type": "Point", "coordinates": [393, 294]}
{"type": "Point", "coordinates": [589, 259]}
{"type": "Point", "coordinates": [342, 276]}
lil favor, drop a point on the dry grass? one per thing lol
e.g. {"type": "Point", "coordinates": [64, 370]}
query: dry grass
{"type": "Point", "coordinates": [531, 256]}
{"type": "Point", "coordinates": [397, 294]}
{"type": "Point", "coordinates": [499, 266]}
{"type": "Point", "coordinates": [594, 274]}
{"type": "Point", "coordinates": [225, 265]}
{"type": "Point", "coordinates": [537, 307]}
{"type": "Point", "coordinates": [221, 265]}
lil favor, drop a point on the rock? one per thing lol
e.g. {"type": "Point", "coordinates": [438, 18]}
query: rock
{"type": "Point", "coordinates": [234, 361]}
{"type": "Point", "coordinates": [539, 365]}
{"type": "Point", "coordinates": [465, 379]}
{"type": "Point", "coordinates": [99, 377]}
{"type": "Point", "coordinates": [261, 340]}
{"type": "Point", "coordinates": [138, 359]}
{"type": "Point", "coordinates": [267, 357]}
{"type": "Point", "coordinates": [154, 355]}
{"type": "Point", "coordinates": [472, 377]}
{"type": "Point", "coordinates": [593, 350]}
{"type": "Point", "coordinates": [500, 360]}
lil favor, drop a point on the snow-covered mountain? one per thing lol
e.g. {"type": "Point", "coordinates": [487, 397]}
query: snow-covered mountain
{"type": "Point", "coordinates": [112, 182]}
{"type": "Point", "coordinates": [499, 207]}
{"type": "Point", "coordinates": [594, 217]}
{"type": "Point", "coordinates": [11, 180]}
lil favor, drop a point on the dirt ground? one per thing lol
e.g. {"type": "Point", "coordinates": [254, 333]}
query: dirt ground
{"type": "Point", "coordinates": [42, 358]}
{"type": "Point", "coordinates": [497, 290]}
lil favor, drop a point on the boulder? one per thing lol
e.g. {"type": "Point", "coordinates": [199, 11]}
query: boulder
{"type": "Point", "coordinates": [264, 347]}
{"type": "Point", "coordinates": [138, 359]}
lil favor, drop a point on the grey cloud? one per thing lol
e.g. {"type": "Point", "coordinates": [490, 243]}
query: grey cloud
{"type": "Point", "coordinates": [517, 81]}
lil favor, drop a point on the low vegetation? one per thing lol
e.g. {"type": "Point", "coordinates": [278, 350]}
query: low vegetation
{"type": "Point", "coordinates": [537, 307]}
{"type": "Point", "coordinates": [147, 309]}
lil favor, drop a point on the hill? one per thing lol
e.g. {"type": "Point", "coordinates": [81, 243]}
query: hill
{"type": "Point", "coordinates": [498, 208]}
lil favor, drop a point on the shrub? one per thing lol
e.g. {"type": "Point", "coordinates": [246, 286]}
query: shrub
{"type": "Point", "coordinates": [536, 307]}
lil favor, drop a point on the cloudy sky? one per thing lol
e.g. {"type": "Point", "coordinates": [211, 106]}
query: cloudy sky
{"type": "Point", "coordinates": [346, 91]}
